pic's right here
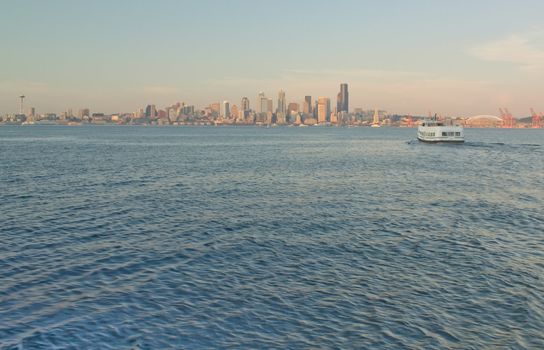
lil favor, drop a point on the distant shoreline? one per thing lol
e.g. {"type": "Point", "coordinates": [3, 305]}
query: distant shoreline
{"type": "Point", "coordinates": [240, 125]}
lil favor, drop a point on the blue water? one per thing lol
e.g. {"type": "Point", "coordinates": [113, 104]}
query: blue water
{"type": "Point", "coordinates": [171, 238]}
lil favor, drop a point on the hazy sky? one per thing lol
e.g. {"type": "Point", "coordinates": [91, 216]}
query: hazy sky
{"type": "Point", "coordinates": [461, 57]}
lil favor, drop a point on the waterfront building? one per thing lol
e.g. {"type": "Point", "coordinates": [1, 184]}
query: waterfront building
{"type": "Point", "coordinates": [343, 117]}
{"type": "Point", "coordinates": [260, 118]}
{"type": "Point", "coordinates": [298, 119]}
{"type": "Point", "coordinates": [280, 118]}
{"type": "Point", "coordinates": [173, 114]}
{"type": "Point", "coordinates": [136, 115]}
{"type": "Point", "coordinates": [187, 110]}
{"type": "Point", "coordinates": [310, 121]}
{"type": "Point", "coordinates": [85, 113]}
{"type": "Point", "coordinates": [241, 117]}
{"type": "Point", "coordinates": [269, 117]}
{"type": "Point", "coordinates": [251, 118]}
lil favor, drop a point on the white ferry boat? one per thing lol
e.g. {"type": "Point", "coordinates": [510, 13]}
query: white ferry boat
{"type": "Point", "coordinates": [432, 130]}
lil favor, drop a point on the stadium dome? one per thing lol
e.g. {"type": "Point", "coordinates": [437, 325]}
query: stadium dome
{"type": "Point", "coordinates": [484, 121]}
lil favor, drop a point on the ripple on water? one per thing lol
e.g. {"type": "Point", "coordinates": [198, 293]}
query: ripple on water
{"type": "Point", "coordinates": [146, 238]}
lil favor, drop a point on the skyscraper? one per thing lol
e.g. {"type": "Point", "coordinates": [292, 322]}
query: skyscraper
{"type": "Point", "coordinates": [262, 103]}
{"type": "Point", "coordinates": [307, 105]}
{"type": "Point", "coordinates": [323, 109]}
{"type": "Point", "coordinates": [215, 107]}
{"type": "Point", "coordinates": [226, 109]}
{"type": "Point", "coordinates": [265, 104]}
{"type": "Point", "coordinates": [150, 111]}
{"type": "Point", "coordinates": [234, 111]}
{"type": "Point", "coordinates": [269, 105]}
{"type": "Point", "coordinates": [343, 99]}
{"type": "Point", "coordinates": [245, 104]}
{"type": "Point", "coordinates": [282, 104]}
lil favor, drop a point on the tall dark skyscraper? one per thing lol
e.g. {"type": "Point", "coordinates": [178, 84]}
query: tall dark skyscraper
{"type": "Point", "coordinates": [282, 104]}
{"type": "Point", "coordinates": [150, 111]}
{"type": "Point", "coordinates": [307, 105]}
{"type": "Point", "coordinates": [245, 104]}
{"type": "Point", "coordinates": [343, 99]}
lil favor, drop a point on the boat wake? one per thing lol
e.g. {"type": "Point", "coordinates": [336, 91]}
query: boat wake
{"type": "Point", "coordinates": [477, 144]}
{"type": "Point", "coordinates": [501, 144]}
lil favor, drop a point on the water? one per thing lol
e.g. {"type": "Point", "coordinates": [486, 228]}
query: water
{"type": "Point", "coordinates": [158, 238]}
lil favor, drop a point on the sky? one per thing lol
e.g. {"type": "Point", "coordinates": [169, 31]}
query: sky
{"type": "Point", "coordinates": [457, 58]}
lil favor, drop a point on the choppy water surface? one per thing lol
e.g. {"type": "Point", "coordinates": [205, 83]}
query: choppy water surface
{"type": "Point", "coordinates": [157, 238]}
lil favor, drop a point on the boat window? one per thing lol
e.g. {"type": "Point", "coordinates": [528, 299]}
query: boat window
{"type": "Point", "coordinates": [457, 134]}
{"type": "Point", "coordinates": [444, 133]}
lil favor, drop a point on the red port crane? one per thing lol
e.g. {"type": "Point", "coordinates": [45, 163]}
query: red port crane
{"type": "Point", "coordinates": [537, 119]}
{"type": "Point", "coordinates": [507, 118]}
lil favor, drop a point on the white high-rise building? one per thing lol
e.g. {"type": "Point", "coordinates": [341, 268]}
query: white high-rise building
{"type": "Point", "coordinates": [226, 109]}
{"type": "Point", "coordinates": [262, 103]}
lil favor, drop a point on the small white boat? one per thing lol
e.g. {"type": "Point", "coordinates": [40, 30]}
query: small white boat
{"type": "Point", "coordinates": [432, 130]}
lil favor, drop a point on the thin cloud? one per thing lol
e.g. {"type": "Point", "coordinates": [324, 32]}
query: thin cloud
{"type": "Point", "coordinates": [516, 49]}
{"type": "Point", "coordinates": [161, 90]}
{"type": "Point", "coordinates": [356, 73]}
{"type": "Point", "coordinates": [8, 86]}
{"type": "Point", "coordinates": [326, 77]}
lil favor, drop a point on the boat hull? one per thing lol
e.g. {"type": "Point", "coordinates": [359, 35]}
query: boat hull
{"type": "Point", "coordinates": [440, 141]}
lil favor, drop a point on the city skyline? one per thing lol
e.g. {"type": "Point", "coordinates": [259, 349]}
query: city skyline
{"type": "Point", "coordinates": [464, 58]}
{"type": "Point", "coordinates": [219, 113]}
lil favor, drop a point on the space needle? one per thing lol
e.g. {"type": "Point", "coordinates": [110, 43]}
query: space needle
{"type": "Point", "coordinates": [22, 97]}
